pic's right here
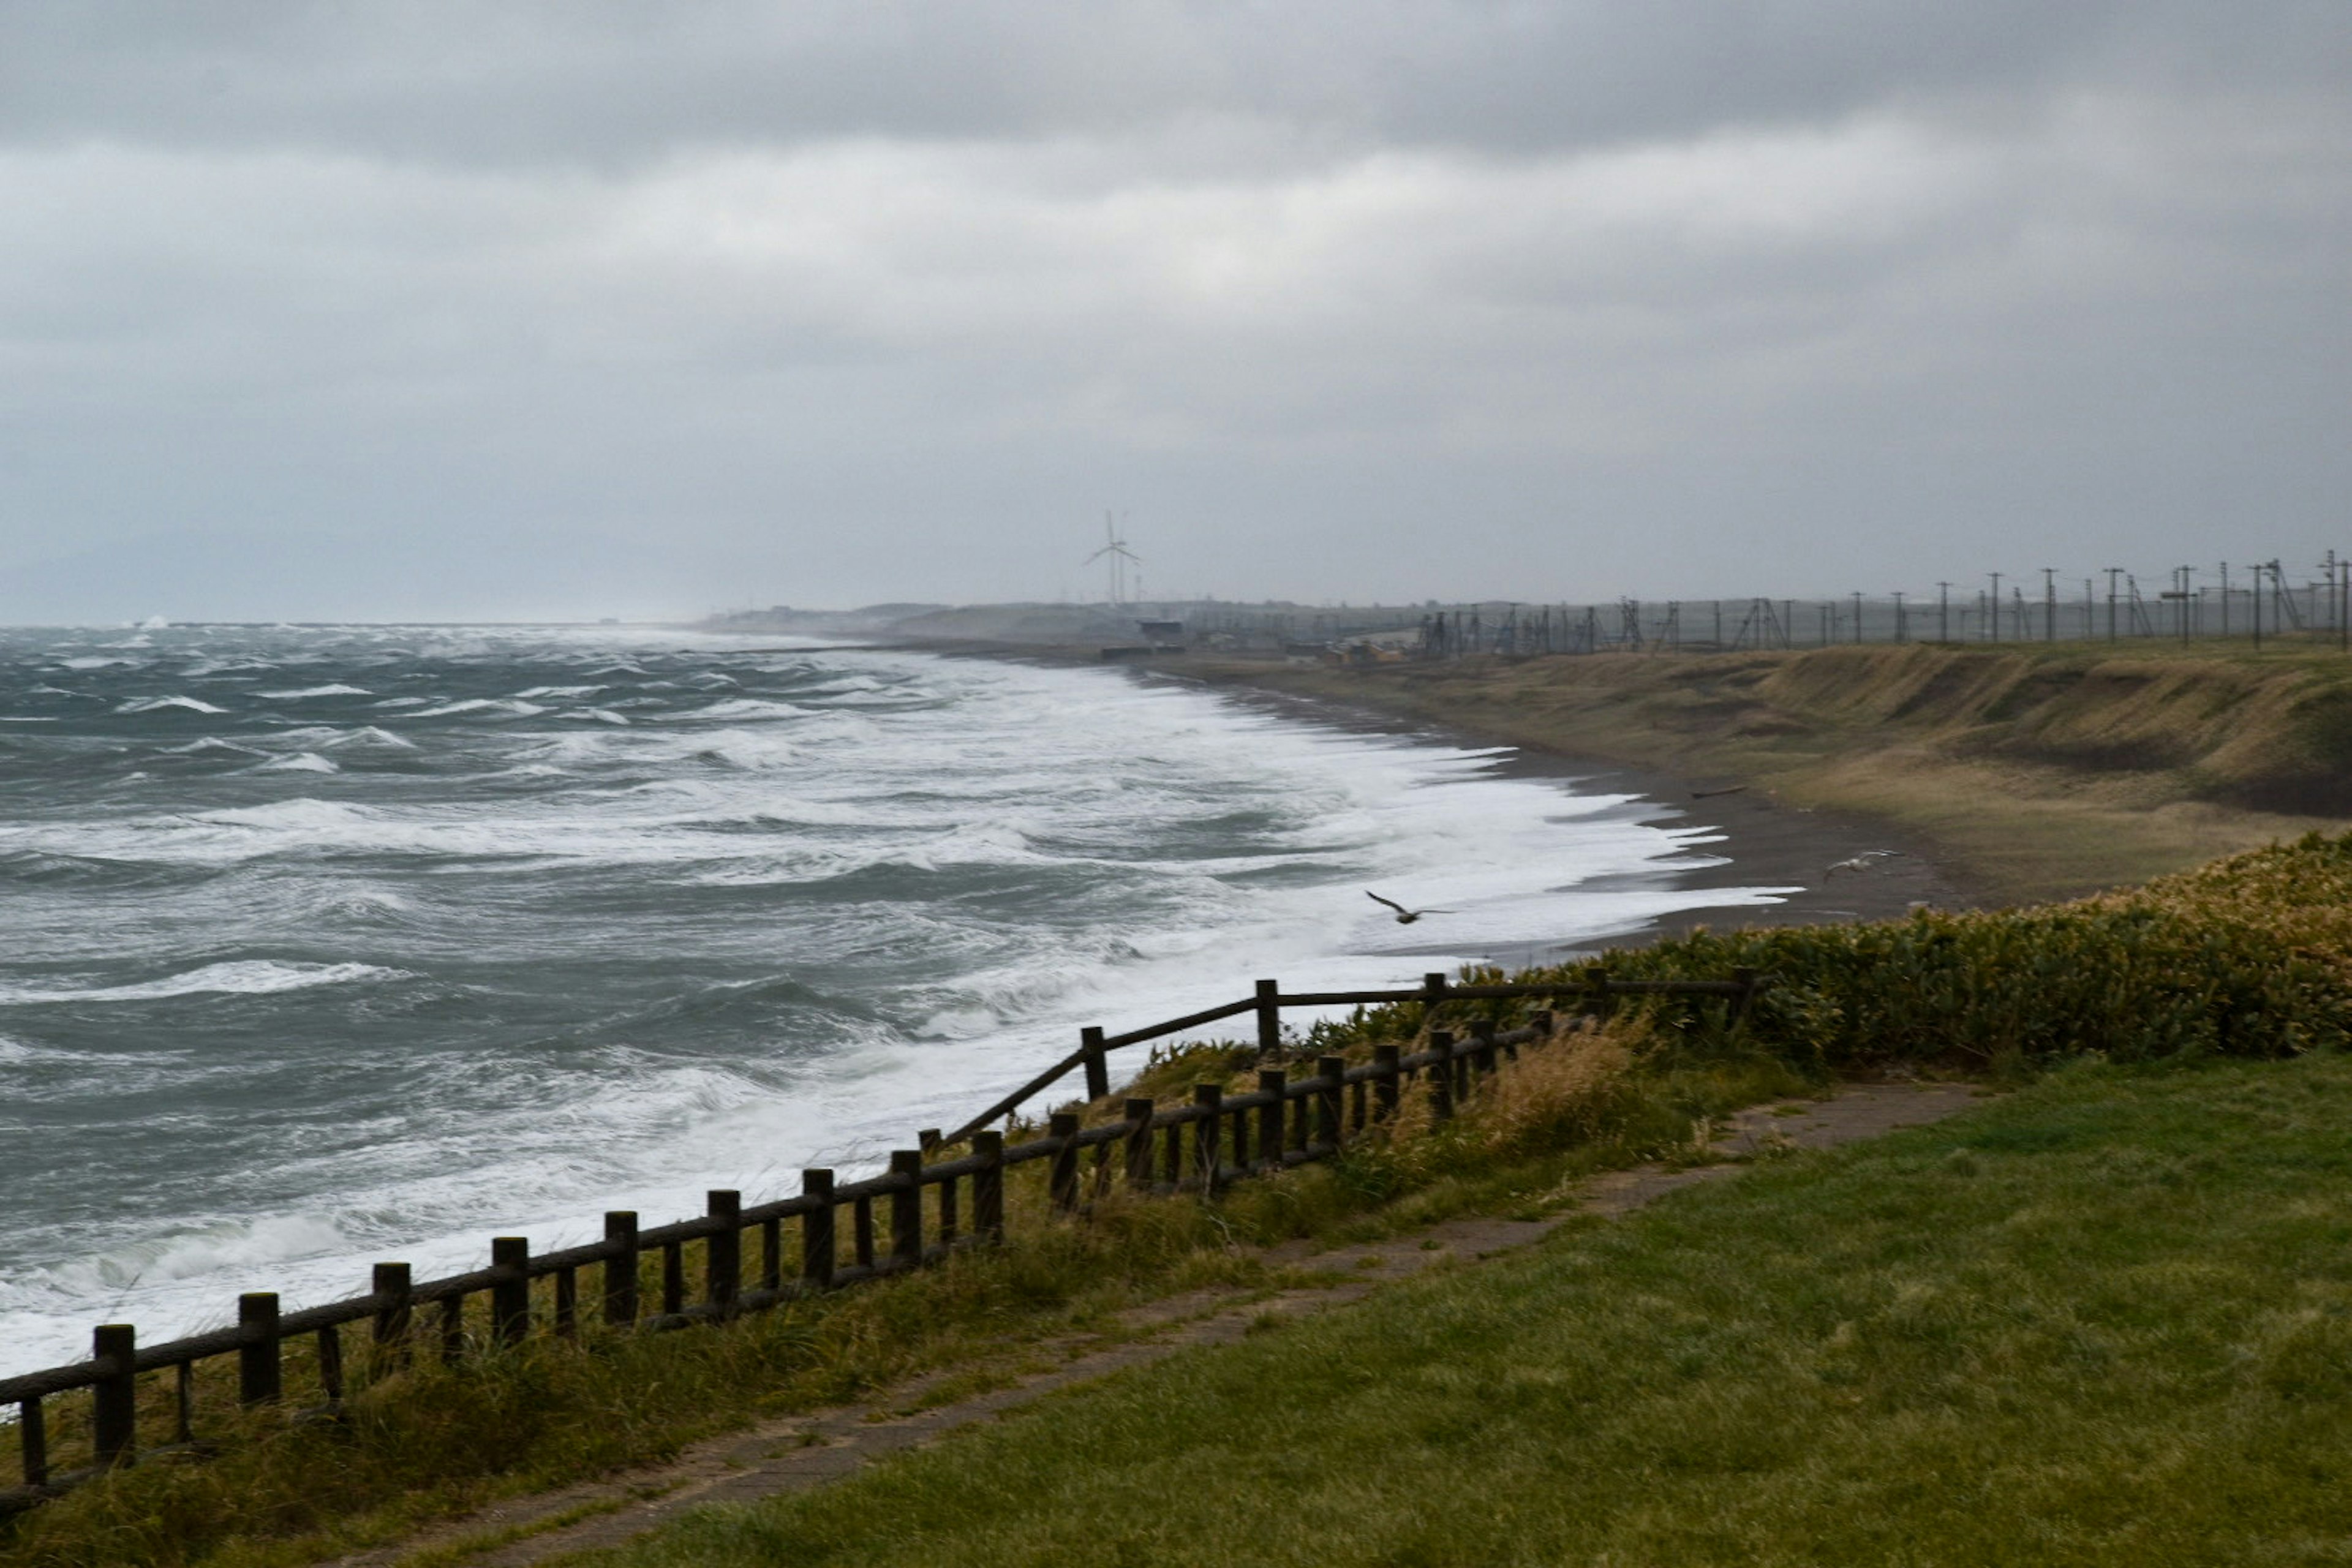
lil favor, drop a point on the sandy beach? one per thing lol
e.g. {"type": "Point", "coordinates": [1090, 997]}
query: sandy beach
{"type": "Point", "coordinates": [1766, 844]}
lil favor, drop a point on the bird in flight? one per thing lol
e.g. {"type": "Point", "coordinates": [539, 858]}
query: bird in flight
{"type": "Point", "coordinates": [1860, 862]}
{"type": "Point", "coordinates": [1405, 917]}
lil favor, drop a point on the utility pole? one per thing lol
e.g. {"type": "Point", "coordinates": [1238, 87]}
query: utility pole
{"type": "Point", "coordinates": [1857, 616]}
{"type": "Point", "coordinates": [2225, 601]}
{"type": "Point", "coordinates": [1943, 611]}
{"type": "Point", "coordinates": [2254, 595]}
{"type": "Point", "coordinates": [1993, 621]}
{"type": "Point", "coordinates": [2050, 604]}
{"type": "Point", "coordinates": [1898, 616]}
{"type": "Point", "coordinates": [2113, 572]}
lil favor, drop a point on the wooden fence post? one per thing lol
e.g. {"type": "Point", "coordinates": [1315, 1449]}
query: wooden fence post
{"type": "Point", "coordinates": [817, 1230]}
{"type": "Point", "coordinates": [1063, 1183]}
{"type": "Point", "coordinates": [511, 1297]}
{"type": "Point", "coordinates": [771, 1253]}
{"type": "Point", "coordinates": [988, 1187]}
{"type": "Point", "coordinates": [1138, 1143]}
{"type": "Point", "coordinates": [1271, 1134]}
{"type": "Point", "coordinates": [1389, 1062]}
{"type": "Point", "coordinates": [950, 1222]}
{"type": "Point", "coordinates": [722, 1255]}
{"type": "Point", "coordinates": [906, 1207]}
{"type": "Point", "coordinates": [1090, 1040]}
{"type": "Point", "coordinates": [621, 1267]}
{"type": "Point", "coordinates": [330, 1365]}
{"type": "Point", "coordinates": [114, 1416]}
{"type": "Point", "coordinates": [1207, 1132]}
{"type": "Point", "coordinates": [673, 1285]}
{"type": "Point", "coordinates": [393, 1285]}
{"type": "Point", "coordinates": [1483, 1031]}
{"type": "Point", "coordinates": [258, 1368]}
{"type": "Point", "coordinates": [1330, 1125]}
{"type": "Point", "coordinates": [1269, 1017]}
{"type": "Point", "coordinates": [1441, 1075]}
{"type": "Point", "coordinates": [1746, 979]}
{"type": "Point", "coordinates": [861, 1230]}
{"type": "Point", "coordinates": [33, 1440]}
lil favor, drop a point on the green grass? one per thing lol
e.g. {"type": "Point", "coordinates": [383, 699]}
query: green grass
{"type": "Point", "coordinates": [2248, 958]}
{"type": "Point", "coordinates": [431, 1442]}
{"type": "Point", "coordinates": [2105, 1321]}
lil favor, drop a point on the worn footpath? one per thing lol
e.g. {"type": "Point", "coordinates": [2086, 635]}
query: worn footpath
{"type": "Point", "coordinates": [794, 1453]}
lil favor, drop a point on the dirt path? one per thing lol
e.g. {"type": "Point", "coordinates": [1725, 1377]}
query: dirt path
{"type": "Point", "coordinates": [796, 1452]}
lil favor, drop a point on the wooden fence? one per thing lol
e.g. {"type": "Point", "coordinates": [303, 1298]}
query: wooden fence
{"type": "Point", "coordinates": [892, 1225]}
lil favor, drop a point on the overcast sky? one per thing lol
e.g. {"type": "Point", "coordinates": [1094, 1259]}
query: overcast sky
{"type": "Point", "coordinates": [418, 309]}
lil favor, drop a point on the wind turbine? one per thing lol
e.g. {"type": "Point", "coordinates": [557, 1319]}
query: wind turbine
{"type": "Point", "coordinates": [1118, 554]}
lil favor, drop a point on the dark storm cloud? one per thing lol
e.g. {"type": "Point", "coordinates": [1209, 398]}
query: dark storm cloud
{"type": "Point", "coordinates": [658, 307]}
{"type": "Point", "coordinates": [565, 82]}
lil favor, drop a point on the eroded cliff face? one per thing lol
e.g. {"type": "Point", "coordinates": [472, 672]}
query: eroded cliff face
{"type": "Point", "coordinates": [2270, 736]}
{"type": "Point", "coordinates": [2041, 772]}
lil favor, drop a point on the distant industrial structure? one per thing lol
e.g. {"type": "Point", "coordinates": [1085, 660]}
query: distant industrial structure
{"type": "Point", "coordinates": [2258, 603]}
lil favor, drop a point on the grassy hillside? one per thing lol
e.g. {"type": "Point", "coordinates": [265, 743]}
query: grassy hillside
{"type": "Point", "coordinates": [2107, 1321]}
{"type": "Point", "coordinates": [2249, 959]}
{"type": "Point", "coordinates": [2038, 773]}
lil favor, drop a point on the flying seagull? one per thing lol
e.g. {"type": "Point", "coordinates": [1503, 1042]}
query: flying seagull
{"type": "Point", "coordinates": [1860, 862]}
{"type": "Point", "coordinates": [1405, 917]}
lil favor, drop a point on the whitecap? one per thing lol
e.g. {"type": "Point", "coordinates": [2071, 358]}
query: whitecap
{"type": "Point", "coordinates": [152, 704]}
{"type": "Point", "coordinates": [302, 811]}
{"type": "Point", "coordinates": [572, 691]}
{"type": "Point", "coordinates": [743, 707]}
{"type": "Point", "coordinates": [482, 705]}
{"type": "Point", "coordinates": [92, 661]}
{"type": "Point", "coordinates": [601, 715]}
{"type": "Point", "coordinates": [213, 743]}
{"type": "Point", "coordinates": [369, 735]}
{"type": "Point", "coordinates": [337, 689]}
{"type": "Point", "coordinates": [239, 977]}
{"type": "Point", "coordinates": [300, 763]}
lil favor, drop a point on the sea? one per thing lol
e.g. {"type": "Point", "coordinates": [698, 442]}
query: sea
{"type": "Point", "coordinates": [320, 945]}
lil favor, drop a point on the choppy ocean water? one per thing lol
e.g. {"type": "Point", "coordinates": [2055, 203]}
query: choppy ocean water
{"type": "Point", "coordinates": [324, 945]}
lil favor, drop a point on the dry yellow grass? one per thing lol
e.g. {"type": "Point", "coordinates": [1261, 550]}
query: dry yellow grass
{"type": "Point", "coordinates": [2035, 773]}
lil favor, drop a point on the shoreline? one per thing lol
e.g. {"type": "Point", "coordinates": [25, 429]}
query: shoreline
{"type": "Point", "coordinates": [1766, 842]}
{"type": "Point", "coordinates": [2025, 774]}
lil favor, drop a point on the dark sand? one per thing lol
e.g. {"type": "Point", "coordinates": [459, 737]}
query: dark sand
{"type": "Point", "coordinates": [1768, 844]}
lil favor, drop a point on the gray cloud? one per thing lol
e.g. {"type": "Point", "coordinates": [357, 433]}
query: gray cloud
{"type": "Point", "coordinates": [503, 308]}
